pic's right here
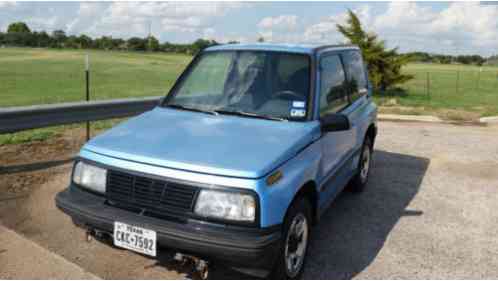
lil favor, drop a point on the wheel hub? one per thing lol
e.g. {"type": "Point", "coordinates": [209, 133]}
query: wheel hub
{"type": "Point", "coordinates": [365, 164]}
{"type": "Point", "coordinates": [296, 242]}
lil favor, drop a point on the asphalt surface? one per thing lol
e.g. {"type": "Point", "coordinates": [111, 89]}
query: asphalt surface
{"type": "Point", "coordinates": [428, 213]}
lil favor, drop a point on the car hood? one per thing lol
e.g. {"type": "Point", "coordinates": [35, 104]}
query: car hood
{"type": "Point", "coordinates": [212, 144]}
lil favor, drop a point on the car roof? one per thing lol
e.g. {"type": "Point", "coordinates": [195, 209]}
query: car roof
{"type": "Point", "coordinates": [292, 48]}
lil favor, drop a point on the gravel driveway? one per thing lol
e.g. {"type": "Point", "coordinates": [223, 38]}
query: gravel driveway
{"type": "Point", "coordinates": [428, 213]}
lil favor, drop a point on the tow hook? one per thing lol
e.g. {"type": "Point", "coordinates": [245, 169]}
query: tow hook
{"type": "Point", "coordinates": [91, 233]}
{"type": "Point", "coordinates": [88, 235]}
{"type": "Point", "coordinates": [200, 266]}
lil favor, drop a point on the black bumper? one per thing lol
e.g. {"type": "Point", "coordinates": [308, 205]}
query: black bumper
{"type": "Point", "coordinates": [247, 248]}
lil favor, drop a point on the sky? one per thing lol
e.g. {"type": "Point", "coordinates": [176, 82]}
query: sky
{"type": "Point", "coordinates": [436, 27]}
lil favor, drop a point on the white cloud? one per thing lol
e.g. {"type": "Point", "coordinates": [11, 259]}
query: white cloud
{"type": "Point", "coordinates": [7, 4]}
{"type": "Point", "coordinates": [209, 33]}
{"type": "Point", "coordinates": [127, 19]}
{"type": "Point", "coordinates": [43, 23]}
{"type": "Point", "coordinates": [174, 16]}
{"type": "Point", "coordinates": [325, 31]}
{"type": "Point", "coordinates": [282, 28]}
{"type": "Point", "coordinates": [461, 26]}
{"type": "Point", "coordinates": [85, 19]}
{"type": "Point", "coordinates": [282, 22]}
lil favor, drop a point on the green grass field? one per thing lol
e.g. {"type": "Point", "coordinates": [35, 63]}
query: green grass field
{"type": "Point", "coordinates": [41, 76]}
{"type": "Point", "coordinates": [454, 87]}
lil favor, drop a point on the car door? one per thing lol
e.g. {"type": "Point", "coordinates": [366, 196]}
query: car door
{"type": "Point", "coordinates": [357, 80]}
{"type": "Point", "coordinates": [335, 146]}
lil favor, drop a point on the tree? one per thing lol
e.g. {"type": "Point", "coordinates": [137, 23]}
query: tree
{"type": "Point", "coordinates": [103, 43]}
{"type": "Point", "coordinates": [261, 39]}
{"type": "Point", "coordinates": [18, 27]}
{"type": "Point", "coordinates": [118, 44]}
{"type": "Point", "coordinates": [84, 41]}
{"type": "Point", "coordinates": [137, 44]}
{"type": "Point", "coordinates": [59, 38]}
{"type": "Point", "coordinates": [384, 66]}
{"type": "Point", "coordinates": [201, 44]}
{"type": "Point", "coordinates": [43, 39]}
{"type": "Point", "coordinates": [152, 44]}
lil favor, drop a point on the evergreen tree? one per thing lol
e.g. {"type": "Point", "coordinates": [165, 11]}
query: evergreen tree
{"type": "Point", "coordinates": [384, 66]}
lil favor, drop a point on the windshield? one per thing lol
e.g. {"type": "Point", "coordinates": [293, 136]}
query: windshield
{"type": "Point", "coordinates": [249, 83]}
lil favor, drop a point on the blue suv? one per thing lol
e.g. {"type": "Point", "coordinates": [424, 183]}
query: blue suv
{"type": "Point", "coordinates": [237, 162]}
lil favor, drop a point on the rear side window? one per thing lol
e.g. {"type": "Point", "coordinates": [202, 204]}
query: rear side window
{"type": "Point", "coordinates": [333, 94]}
{"type": "Point", "coordinates": [357, 80]}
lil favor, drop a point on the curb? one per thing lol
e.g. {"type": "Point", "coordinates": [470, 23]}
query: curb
{"type": "Point", "coordinates": [491, 120]}
{"type": "Point", "coordinates": [409, 118]}
{"type": "Point", "coordinates": [485, 121]}
{"type": "Point", "coordinates": [21, 258]}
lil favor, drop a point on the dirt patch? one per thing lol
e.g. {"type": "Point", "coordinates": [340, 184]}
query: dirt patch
{"type": "Point", "coordinates": [28, 165]}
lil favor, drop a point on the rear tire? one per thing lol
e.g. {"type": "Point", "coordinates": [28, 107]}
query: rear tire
{"type": "Point", "coordinates": [359, 181]}
{"type": "Point", "coordinates": [291, 258]}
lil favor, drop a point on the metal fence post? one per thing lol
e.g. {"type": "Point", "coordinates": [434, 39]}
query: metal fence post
{"type": "Point", "coordinates": [87, 78]}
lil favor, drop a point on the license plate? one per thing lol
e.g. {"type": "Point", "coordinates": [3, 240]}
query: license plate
{"type": "Point", "coordinates": [135, 238]}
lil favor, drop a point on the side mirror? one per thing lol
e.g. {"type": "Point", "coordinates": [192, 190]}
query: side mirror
{"type": "Point", "coordinates": [335, 122]}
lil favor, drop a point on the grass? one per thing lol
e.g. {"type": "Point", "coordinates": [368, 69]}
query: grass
{"type": "Point", "coordinates": [27, 136]}
{"type": "Point", "coordinates": [43, 76]}
{"type": "Point", "coordinates": [451, 87]}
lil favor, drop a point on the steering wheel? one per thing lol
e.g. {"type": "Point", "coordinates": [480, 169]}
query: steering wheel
{"type": "Point", "coordinates": [288, 95]}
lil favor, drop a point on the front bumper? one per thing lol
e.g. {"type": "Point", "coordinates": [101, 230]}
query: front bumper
{"type": "Point", "coordinates": [239, 247]}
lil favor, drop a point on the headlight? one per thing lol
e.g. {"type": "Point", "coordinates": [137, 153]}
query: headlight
{"type": "Point", "coordinates": [90, 176]}
{"type": "Point", "coordinates": [226, 205]}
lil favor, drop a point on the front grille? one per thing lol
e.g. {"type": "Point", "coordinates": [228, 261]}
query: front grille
{"type": "Point", "coordinates": [155, 196]}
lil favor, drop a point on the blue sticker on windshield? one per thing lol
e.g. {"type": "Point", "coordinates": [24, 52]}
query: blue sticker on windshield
{"type": "Point", "coordinates": [298, 104]}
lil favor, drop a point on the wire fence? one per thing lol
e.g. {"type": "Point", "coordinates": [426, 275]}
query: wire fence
{"type": "Point", "coordinates": [468, 87]}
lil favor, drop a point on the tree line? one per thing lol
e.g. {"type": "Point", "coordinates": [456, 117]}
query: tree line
{"type": "Point", "coordinates": [19, 34]}
{"type": "Point", "coordinates": [448, 59]}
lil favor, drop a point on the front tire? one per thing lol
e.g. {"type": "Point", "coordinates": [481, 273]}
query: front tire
{"type": "Point", "coordinates": [359, 181]}
{"type": "Point", "coordinates": [296, 233]}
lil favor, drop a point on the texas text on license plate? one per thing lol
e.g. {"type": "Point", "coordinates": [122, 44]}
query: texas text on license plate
{"type": "Point", "coordinates": [135, 238]}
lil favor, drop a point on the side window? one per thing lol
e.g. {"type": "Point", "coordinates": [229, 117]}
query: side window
{"type": "Point", "coordinates": [333, 94]}
{"type": "Point", "coordinates": [293, 73]}
{"type": "Point", "coordinates": [357, 80]}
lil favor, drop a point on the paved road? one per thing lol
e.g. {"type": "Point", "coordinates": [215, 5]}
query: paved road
{"type": "Point", "coordinates": [428, 213]}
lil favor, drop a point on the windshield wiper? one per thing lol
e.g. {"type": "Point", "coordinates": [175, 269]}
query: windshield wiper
{"type": "Point", "coordinates": [249, 114]}
{"type": "Point", "coordinates": [178, 106]}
